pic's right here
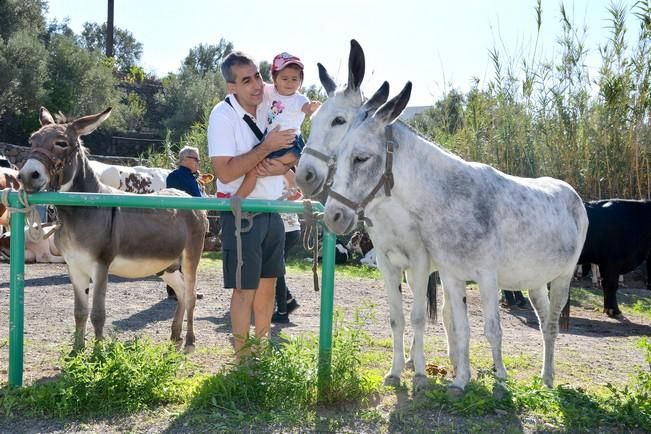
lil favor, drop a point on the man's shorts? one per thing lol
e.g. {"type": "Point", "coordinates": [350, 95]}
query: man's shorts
{"type": "Point", "coordinates": [262, 249]}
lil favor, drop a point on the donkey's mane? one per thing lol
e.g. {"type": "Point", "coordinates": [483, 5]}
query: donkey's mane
{"type": "Point", "coordinates": [60, 118]}
{"type": "Point", "coordinates": [428, 140]}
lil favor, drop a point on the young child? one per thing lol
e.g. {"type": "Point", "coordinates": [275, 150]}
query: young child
{"type": "Point", "coordinates": [284, 107]}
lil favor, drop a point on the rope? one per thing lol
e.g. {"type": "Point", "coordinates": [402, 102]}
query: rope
{"type": "Point", "coordinates": [238, 214]}
{"type": "Point", "coordinates": [311, 238]}
{"type": "Point", "coordinates": [35, 230]}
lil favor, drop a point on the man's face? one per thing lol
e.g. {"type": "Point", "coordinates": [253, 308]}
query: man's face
{"type": "Point", "coordinates": [248, 85]}
{"type": "Point", "coordinates": [192, 162]}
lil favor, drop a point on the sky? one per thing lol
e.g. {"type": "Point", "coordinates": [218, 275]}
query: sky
{"type": "Point", "coordinates": [438, 45]}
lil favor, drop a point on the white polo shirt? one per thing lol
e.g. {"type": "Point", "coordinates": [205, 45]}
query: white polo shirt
{"type": "Point", "coordinates": [230, 136]}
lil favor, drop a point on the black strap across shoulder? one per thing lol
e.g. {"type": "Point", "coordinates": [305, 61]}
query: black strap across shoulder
{"type": "Point", "coordinates": [259, 134]}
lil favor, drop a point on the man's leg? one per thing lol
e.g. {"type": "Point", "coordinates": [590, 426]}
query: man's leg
{"type": "Point", "coordinates": [241, 303]}
{"type": "Point", "coordinates": [263, 306]}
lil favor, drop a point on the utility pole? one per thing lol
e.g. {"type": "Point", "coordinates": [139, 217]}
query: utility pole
{"type": "Point", "coordinates": [109, 30]}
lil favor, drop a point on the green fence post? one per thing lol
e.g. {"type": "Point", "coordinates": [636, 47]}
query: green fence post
{"type": "Point", "coordinates": [16, 294]}
{"type": "Point", "coordinates": [327, 302]}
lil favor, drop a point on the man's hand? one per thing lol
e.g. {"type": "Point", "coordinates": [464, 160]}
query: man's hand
{"type": "Point", "coordinates": [277, 139]}
{"type": "Point", "coordinates": [271, 167]}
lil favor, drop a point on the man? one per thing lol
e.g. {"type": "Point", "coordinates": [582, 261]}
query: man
{"type": "Point", "coordinates": [237, 147]}
{"type": "Point", "coordinates": [183, 178]}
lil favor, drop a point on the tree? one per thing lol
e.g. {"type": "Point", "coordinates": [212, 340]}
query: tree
{"type": "Point", "coordinates": [265, 71]}
{"type": "Point", "coordinates": [81, 81]}
{"type": "Point", "coordinates": [195, 88]}
{"type": "Point", "coordinates": [127, 50]}
{"type": "Point", "coordinates": [23, 71]}
{"type": "Point", "coordinates": [186, 95]}
{"type": "Point", "coordinates": [207, 58]}
{"type": "Point", "coordinates": [16, 15]}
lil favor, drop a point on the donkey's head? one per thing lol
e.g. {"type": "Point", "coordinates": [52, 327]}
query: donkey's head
{"type": "Point", "coordinates": [343, 109]}
{"type": "Point", "coordinates": [361, 173]}
{"type": "Point", "coordinates": [56, 148]}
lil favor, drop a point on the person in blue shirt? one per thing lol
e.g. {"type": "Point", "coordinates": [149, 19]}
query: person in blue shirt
{"type": "Point", "coordinates": [183, 177]}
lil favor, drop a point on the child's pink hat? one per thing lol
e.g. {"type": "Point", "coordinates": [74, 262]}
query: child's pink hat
{"type": "Point", "coordinates": [284, 59]}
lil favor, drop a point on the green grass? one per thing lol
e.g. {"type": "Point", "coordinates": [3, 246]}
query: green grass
{"type": "Point", "coordinates": [592, 298]}
{"type": "Point", "coordinates": [213, 261]}
{"type": "Point", "coordinates": [135, 375]}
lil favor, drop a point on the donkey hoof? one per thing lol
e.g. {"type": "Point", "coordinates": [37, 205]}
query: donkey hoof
{"type": "Point", "coordinates": [454, 392]}
{"type": "Point", "coordinates": [500, 391]}
{"type": "Point", "coordinates": [410, 364]}
{"type": "Point", "coordinates": [421, 382]}
{"type": "Point", "coordinates": [189, 349]}
{"type": "Point", "coordinates": [392, 381]}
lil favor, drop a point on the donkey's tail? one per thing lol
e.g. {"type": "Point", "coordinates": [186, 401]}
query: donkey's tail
{"type": "Point", "coordinates": [431, 296]}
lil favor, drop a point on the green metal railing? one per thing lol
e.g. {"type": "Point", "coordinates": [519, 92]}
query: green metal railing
{"type": "Point", "coordinates": [17, 261]}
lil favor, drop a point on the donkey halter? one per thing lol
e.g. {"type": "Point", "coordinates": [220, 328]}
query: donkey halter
{"type": "Point", "coordinates": [330, 161]}
{"type": "Point", "coordinates": [386, 181]}
{"type": "Point", "coordinates": [53, 163]}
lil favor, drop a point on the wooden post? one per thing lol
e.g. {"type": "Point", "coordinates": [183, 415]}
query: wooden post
{"type": "Point", "coordinates": [109, 30]}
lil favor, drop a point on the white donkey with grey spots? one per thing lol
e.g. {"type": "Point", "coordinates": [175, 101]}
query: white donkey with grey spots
{"type": "Point", "coordinates": [343, 110]}
{"type": "Point", "coordinates": [471, 221]}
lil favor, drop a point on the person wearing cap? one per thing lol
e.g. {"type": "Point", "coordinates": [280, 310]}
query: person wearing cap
{"type": "Point", "coordinates": [283, 106]}
{"type": "Point", "coordinates": [237, 147]}
{"type": "Point", "coordinates": [184, 178]}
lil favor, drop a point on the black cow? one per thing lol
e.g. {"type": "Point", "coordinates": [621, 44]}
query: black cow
{"type": "Point", "coordinates": [618, 240]}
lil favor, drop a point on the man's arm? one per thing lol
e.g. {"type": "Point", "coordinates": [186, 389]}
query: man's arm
{"type": "Point", "coordinates": [228, 169]}
{"type": "Point", "coordinates": [273, 166]}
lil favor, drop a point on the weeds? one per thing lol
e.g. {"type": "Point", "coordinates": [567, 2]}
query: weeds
{"type": "Point", "coordinates": [109, 376]}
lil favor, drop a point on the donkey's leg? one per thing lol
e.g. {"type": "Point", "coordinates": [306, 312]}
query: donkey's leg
{"type": "Point", "coordinates": [458, 331]}
{"type": "Point", "coordinates": [175, 280]}
{"type": "Point", "coordinates": [419, 276]}
{"type": "Point", "coordinates": [392, 279]}
{"type": "Point", "coordinates": [558, 294]}
{"type": "Point", "coordinates": [98, 312]}
{"type": "Point", "coordinates": [190, 265]}
{"type": "Point", "coordinates": [448, 328]}
{"type": "Point", "coordinates": [489, 293]}
{"type": "Point", "coordinates": [80, 283]}
{"type": "Point", "coordinates": [539, 298]}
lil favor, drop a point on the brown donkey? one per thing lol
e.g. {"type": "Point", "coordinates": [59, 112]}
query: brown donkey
{"type": "Point", "coordinates": [96, 241]}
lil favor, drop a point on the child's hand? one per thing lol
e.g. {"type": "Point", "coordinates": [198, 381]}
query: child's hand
{"type": "Point", "coordinates": [311, 107]}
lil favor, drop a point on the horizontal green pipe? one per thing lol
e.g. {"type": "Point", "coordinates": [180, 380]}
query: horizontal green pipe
{"type": "Point", "coordinates": [16, 286]}
{"type": "Point", "coordinates": [161, 201]}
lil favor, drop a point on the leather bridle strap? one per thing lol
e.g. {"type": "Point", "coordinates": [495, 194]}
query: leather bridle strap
{"type": "Point", "coordinates": [386, 181]}
{"type": "Point", "coordinates": [52, 163]}
{"type": "Point", "coordinates": [330, 161]}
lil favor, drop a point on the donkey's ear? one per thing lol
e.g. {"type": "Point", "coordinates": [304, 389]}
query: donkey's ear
{"type": "Point", "coordinates": [88, 124]}
{"type": "Point", "coordinates": [390, 111]}
{"type": "Point", "coordinates": [379, 97]}
{"type": "Point", "coordinates": [44, 117]}
{"type": "Point", "coordinates": [327, 81]}
{"type": "Point", "coordinates": [356, 66]}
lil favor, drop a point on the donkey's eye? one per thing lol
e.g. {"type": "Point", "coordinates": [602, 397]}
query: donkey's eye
{"type": "Point", "coordinates": [339, 120]}
{"type": "Point", "coordinates": [61, 143]}
{"type": "Point", "coordinates": [359, 159]}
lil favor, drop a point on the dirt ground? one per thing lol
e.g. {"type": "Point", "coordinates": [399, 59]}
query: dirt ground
{"type": "Point", "coordinates": [596, 349]}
